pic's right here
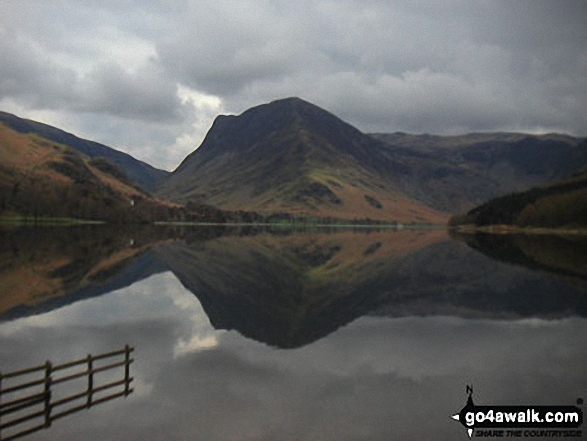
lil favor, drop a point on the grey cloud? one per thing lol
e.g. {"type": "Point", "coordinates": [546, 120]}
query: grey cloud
{"type": "Point", "coordinates": [148, 141]}
{"type": "Point", "coordinates": [426, 66]}
{"type": "Point", "coordinates": [42, 84]}
{"type": "Point", "coordinates": [27, 75]}
{"type": "Point", "coordinates": [426, 101]}
{"type": "Point", "coordinates": [31, 76]}
{"type": "Point", "coordinates": [222, 48]}
{"type": "Point", "coordinates": [416, 66]}
{"type": "Point", "coordinates": [144, 95]}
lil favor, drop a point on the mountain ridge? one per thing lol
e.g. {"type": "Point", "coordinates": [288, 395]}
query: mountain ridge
{"type": "Point", "coordinates": [142, 173]}
{"type": "Point", "coordinates": [559, 204]}
{"type": "Point", "coordinates": [260, 121]}
{"type": "Point", "coordinates": [44, 181]}
{"type": "Point", "coordinates": [293, 158]}
{"type": "Point", "coordinates": [40, 178]}
{"type": "Point", "coordinates": [290, 155]}
{"type": "Point", "coordinates": [456, 173]}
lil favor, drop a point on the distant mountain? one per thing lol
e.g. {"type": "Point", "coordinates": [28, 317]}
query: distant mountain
{"type": "Point", "coordinates": [146, 176]}
{"type": "Point", "coordinates": [292, 156]}
{"type": "Point", "coordinates": [455, 173]}
{"type": "Point", "coordinates": [556, 205]}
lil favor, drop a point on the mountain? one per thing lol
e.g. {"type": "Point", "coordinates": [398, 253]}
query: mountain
{"type": "Point", "coordinates": [292, 156]}
{"type": "Point", "coordinates": [146, 176]}
{"type": "Point", "coordinates": [557, 205]}
{"type": "Point", "coordinates": [456, 173]}
{"type": "Point", "coordinates": [41, 178]}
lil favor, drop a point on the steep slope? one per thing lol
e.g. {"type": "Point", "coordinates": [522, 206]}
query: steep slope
{"type": "Point", "coordinates": [146, 176]}
{"type": "Point", "coordinates": [455, 173]}
{"type": "Point", "coordinates": [39, 177]}
{"type": "Point", "coordinates": [291, 156]}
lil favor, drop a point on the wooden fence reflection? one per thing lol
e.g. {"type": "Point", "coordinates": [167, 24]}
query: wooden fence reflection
{"type": "Point", "coordinates": [33, 404]}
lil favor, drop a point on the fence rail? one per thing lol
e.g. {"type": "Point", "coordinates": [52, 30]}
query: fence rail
{"type": "Point", "coordinates": [43, 407]}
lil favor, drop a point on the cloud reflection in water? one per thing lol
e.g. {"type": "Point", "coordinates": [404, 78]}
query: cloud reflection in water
{"type": "Point", "coordinates": [376, 378]}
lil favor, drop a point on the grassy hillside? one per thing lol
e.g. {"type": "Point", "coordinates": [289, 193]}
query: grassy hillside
{"type": "Point", "coordinates": [559, 205]}
{"type": "Point", "coordinates": [291, 156]}
{"type": "Point", "coordinates": [40, 178]}
{"type": "Point", "coordinates": [143, 174]}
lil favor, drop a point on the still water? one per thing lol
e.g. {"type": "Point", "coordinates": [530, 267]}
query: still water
{"type": "Point", "coordinates": [253, 334]}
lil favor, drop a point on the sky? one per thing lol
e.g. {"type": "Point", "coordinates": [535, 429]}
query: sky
{"type": "Point", "coordinates": [149, 77]}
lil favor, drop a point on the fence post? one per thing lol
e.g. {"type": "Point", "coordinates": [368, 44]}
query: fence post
{"type": "Point", "coordinates": [48, 369]}
{"type": "Point", "coordinates": [1, 378]}
{"type": "Point", "coordinates": [126, 370]}
{"type": "Point", "coordinates": [90, 380]}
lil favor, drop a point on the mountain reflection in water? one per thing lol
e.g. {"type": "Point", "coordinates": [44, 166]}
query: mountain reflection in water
{"type": "Point", "coordinates": [289, 288]}
{"type": "Point", "coordinates": [383, 328]}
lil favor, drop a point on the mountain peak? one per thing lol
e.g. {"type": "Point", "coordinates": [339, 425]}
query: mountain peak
{"type": "Point", "coordinates": [284, 108]}
{"type": "Point", "coordinates": [239, 133]}
{"type": "Point", "coordinates": [295, 103]}
{"type": "Point", "coordinates": [292, 156]}
{"type": "Point", "coordinates": [290, 100]}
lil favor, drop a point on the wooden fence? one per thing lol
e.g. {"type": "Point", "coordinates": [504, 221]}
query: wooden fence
{"type": "Point", "coordinates": [29, 410]}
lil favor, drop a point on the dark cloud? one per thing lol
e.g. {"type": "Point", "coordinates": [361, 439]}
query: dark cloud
{"type": "Point", "coordinates": [222, 48]}
{"type": "Point", "coordinates": [144, 95]}
{"type": "Point", "coordinates": [29, 76]}
{"type": "Point", "coordinates": [423, 66]}
{"type": "Point", "coordinates": [38, 82]}
{"type": "Point", "coordinates": [417, 67]}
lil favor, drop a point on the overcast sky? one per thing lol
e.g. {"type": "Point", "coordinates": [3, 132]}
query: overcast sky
{"type": "Point", "coordinates": [148, 77]}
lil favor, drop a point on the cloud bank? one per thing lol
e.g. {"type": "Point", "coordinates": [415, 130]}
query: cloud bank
{"type": "Point", "coordinates": [149, 78]}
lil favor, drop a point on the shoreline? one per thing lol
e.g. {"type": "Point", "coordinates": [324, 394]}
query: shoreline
{"type": "Point", "coordinates": [513, 229]}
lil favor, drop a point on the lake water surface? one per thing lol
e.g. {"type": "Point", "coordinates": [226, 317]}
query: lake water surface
{"type": "Point", "coordinates": [329, 334]}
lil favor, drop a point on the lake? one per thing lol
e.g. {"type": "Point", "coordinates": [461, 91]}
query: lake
{"type": "Point", "coordinates": [253, 333]}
